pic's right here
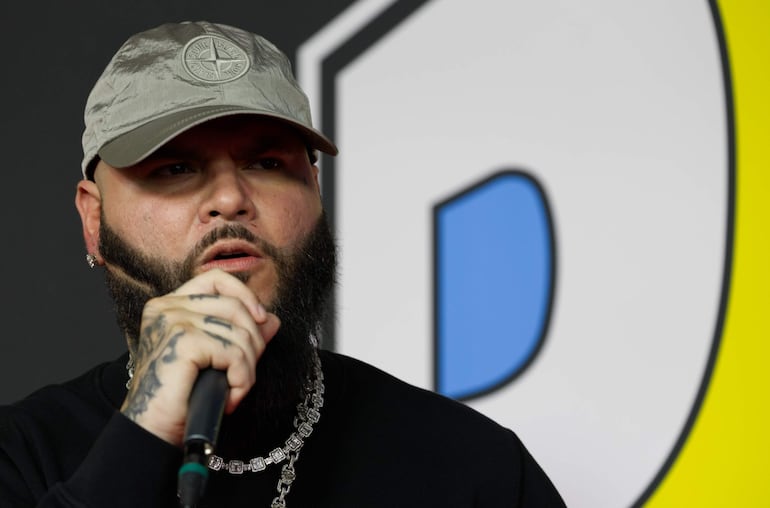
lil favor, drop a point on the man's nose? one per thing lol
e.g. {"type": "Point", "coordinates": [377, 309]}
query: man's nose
{"type": "Point", "coordinates": [227, 195]}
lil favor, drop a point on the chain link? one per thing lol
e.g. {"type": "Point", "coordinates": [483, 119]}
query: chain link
{"type": "Point", "coordinates": [288, 475]}
{"type": "Point", "coordinates": [308, 414]}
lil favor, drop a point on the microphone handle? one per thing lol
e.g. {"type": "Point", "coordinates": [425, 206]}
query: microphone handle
{"type": "Point", "coordinates": [204, 416]}
{"type": "Point", "coordinates": [206, 407]}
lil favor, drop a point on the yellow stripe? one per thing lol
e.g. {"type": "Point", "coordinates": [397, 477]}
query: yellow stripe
{"type": "Point", "coordinates": [725, 462]}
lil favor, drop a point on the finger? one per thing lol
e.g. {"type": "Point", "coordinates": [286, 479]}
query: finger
{"type": "Point", "coordinates": [238, 392]}
{"type": "Point", "coordinates": [158, 398]}
{"type": "Point", "coordinates": [229, 351]}
{"type": "Point", "coordinates": [207, 309]}
{"type": "Point", "coordinates": [192, 330]}
{"type": "Point", "coordinates": [270, 327]}
{"type": "Point", "coordinates": [217, 314]}
{"type": "Point", "coordinates": [219, 282]}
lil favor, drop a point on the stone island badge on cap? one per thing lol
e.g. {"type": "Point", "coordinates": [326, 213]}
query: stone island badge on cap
{"type": "Point", "coordinates": [214, 59]}
{"type": "Point", "coordinates": [166, 80]}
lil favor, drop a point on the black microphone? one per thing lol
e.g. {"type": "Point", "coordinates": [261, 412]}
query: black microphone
{"type": "Point", "coordinates": [206, 407]}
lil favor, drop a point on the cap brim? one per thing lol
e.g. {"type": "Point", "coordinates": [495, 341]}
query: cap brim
{"type": "Point", "coordinates": [133, 146]}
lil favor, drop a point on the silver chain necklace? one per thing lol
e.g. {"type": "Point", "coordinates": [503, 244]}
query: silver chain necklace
{"type": "Point", "coordinates": [308, 414]}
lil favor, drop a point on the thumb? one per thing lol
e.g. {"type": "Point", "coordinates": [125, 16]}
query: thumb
{"type": "Point", "coordinates": [270, 327]}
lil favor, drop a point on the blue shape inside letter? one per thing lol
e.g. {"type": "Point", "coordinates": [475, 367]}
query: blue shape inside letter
{"type": "Point", "coordinates": [494, 265]}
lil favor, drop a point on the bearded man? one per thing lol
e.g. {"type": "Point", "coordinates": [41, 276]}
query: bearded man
{"type": "Point", "coordinates": [200, 198]}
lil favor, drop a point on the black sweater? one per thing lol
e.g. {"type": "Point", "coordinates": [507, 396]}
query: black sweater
{"type": "Point", "coordinates": [380, 443]}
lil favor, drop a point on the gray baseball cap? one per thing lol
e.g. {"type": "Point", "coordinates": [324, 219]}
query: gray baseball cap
{"type": "Point", "coordinates": [166, 80]}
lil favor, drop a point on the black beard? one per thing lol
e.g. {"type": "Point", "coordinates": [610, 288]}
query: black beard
{"type": "Point", "coordinates": [306, 277]}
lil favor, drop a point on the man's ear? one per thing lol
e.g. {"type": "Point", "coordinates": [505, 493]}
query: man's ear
{"type": "Point", "coordinates": [316, 178]}
{"type": "Point", "coordinates": [88, 201]}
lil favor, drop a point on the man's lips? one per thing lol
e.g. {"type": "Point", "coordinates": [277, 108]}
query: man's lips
{"type": "Point", "coordinates": [231, 256]}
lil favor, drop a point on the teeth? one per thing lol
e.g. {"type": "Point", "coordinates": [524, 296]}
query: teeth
{"type": "Point", "coordinates": [230, 256]}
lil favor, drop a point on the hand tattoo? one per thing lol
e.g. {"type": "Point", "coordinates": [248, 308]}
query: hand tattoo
{"type": "Point", "coordinates": [143, 392]}
{"type": "Point", "coordinates": [216, 321]}
{"type": "Point", "coordinates": [225, 342]}
{"type": "Point", "coordinates": [202, 296]}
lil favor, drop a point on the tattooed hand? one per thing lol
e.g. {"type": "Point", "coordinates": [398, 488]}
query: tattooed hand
{"type": "Point", "coordinates": [213, 320]}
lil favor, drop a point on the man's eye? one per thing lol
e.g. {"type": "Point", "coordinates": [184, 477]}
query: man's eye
{"type": "Point", "coordinates": [177, 168]}
{"type": "Point", "coordinates": [266, 163]}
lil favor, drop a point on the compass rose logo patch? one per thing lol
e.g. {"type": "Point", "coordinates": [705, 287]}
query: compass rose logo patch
{"type": "Point", "coordinates": [214, 59]}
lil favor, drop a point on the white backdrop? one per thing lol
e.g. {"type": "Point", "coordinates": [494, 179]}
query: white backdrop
{"type": "Point", "coordinates": [617, 109]}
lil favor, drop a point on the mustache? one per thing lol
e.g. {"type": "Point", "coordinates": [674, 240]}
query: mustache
{"type": "Point", "coordinates": [160, 277]}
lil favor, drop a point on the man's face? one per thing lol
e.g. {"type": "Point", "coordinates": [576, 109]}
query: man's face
{"type": "Point", "coordinates": [238, 194]}
{"type": "Point", "coordinates": [241, 170]}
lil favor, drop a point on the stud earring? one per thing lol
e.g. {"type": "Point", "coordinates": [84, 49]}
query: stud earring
{"type": "Point", "coordinates": [91, 260]}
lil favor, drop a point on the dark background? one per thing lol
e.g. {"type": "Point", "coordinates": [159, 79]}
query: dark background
{"type": "Point", "coordinates": [57, 318]}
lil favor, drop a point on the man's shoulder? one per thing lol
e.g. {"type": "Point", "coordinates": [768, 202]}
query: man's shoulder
{"type": "Point", "coordinates": [414, 432]}
{"type": "Point", "coordinates": [54, 405]}
{"type": "Point", "coordinates": [379, 394]}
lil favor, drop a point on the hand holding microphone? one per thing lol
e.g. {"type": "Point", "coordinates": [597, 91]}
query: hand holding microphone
{"type": "Point", "coordinates": [211, 323]}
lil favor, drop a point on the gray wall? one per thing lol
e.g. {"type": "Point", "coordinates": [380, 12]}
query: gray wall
{"type": "Point", "coordinates": [56, 316]}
